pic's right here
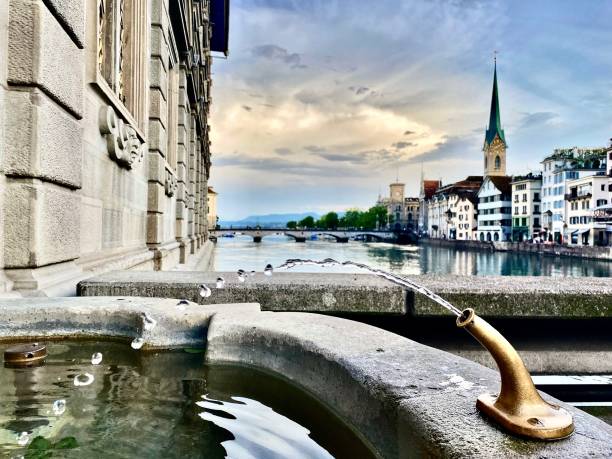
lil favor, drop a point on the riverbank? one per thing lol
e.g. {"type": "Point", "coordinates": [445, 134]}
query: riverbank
{"type": "Point", "coordinates": [557, 250]}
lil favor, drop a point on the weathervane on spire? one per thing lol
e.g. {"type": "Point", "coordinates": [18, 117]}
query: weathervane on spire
{"type": "Point", "coordinates": [495, 56]}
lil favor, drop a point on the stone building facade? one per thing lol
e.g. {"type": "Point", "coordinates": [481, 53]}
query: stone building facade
{"type": "Point", "coordinates": [526, 207]}
{"type": "Point", "coordinates": [402, 211]}
{"type": "Point", "coordinates": [104, 136]}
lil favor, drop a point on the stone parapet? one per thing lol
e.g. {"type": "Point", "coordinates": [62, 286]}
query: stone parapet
{"type": "Point", "coordinates": [491, 296]}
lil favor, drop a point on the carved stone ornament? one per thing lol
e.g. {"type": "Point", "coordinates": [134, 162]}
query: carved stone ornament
{"type": "Point", "coordinates": [171, 183]}
{"type": "Point", "coordinates": [124, 146]}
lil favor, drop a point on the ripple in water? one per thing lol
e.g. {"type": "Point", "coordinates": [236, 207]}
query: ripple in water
{"type": "Point", "coordinates": [59, 406]}
{"type": "Point", "coordinates": [259, 431]}
{"type": "Point", "coordinates": [83, 379]}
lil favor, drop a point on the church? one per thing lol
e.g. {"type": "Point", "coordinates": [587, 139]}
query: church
{"type": "Point", "coordinates": [495, 194]}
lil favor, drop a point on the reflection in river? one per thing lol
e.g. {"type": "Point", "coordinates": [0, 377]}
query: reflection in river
{"type": "Point", "coordinates": [241, 252]}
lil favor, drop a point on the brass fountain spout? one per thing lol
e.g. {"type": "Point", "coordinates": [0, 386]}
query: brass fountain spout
{"type": "Point", "coordinates": [518, 408]}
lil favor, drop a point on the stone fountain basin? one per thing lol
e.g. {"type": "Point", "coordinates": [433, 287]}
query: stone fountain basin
{"type": "Point", "coordinates": [406, 399]}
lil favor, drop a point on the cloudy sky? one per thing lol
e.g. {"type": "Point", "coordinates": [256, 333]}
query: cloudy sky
{"type": "Point", "coordinates": [322, 102]}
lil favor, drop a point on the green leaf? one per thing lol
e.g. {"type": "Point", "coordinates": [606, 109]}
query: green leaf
{"type": "Point", "coordinates": [66, 443]}
{"type": "Point", "coordinates": [40, 443]}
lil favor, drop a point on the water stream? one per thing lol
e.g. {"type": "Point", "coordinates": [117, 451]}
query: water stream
{"type": "Point", "coordinates": [395, 278]}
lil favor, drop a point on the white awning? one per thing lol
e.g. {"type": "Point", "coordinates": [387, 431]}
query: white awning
{"type": "Point", "coordinates": [584, 231]}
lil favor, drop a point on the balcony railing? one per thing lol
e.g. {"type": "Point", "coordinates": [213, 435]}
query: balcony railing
{"type": "Point", "coordinates": [572, 196]}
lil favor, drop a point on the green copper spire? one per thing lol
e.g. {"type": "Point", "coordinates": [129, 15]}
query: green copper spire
{"type": "Point", "coordinates": [494, 118]}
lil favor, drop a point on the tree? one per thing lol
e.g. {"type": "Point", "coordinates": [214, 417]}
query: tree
{"type": "Point", "coordinates": [351, 218]}
{"type": "Point", "coordinates": [307, 222]}
{"type": "Point", "coordinates": [329, 220]}
{"type": "Point", "coordinates": [292, 224]}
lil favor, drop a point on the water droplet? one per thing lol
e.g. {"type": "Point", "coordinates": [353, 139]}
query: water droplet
{"type": "Point", "coordinates": [148, 322]}
{"type": "Point", "coordinates": [205, 292]}
{"type": "Point", "coordinates": [241, 275]}
{"type": "Point", "coordinates": [96, 358]}
{"type": "Point", "coordinates": [220, 282]}
{"type": "Point", "coordinates": [137, 343]}
{"type": "Point", "coordinates": [83, 379]}
{"type": "Point", "coordinates": [59, 406]}
{"type": "Point", "coordinates": [23, 438]}
{"type": "Point", "coordinates": [268, 270]}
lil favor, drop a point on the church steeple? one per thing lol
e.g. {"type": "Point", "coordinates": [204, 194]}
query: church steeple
{"type": "Point", "coordinates": [495, 140]}
{"type": "Point", "coordinates": [494, 117]}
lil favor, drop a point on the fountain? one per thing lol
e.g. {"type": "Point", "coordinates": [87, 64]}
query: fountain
{"type": "Point", "coordinates": [518, 407]}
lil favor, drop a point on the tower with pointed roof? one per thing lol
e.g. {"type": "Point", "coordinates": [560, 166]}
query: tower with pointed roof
{"type": "Point", "coordinates": [495, 141]}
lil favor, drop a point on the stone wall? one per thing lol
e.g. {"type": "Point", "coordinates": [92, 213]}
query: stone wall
{"type": "Point", "coordinates": [601, 253]}
{"type": "Point", "coordinates": [100, 172]}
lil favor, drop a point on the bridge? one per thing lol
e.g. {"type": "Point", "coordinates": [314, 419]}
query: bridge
{"type": "Point", "coordinates": [302, 235]}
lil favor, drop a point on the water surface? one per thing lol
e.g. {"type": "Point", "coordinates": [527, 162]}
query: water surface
{"type": "Point", "coordinates": [162, 405]}
{"type": "Point", "coordinates": [231, 254]}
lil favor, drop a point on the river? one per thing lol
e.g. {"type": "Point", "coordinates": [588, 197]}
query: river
{"type": "Point", "coordinates": [231, 254]}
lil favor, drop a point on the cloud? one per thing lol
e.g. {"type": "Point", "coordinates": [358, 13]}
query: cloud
{"type": "Point", "coordinates": [314, 149]}
{"type": "Point", "coordinates": [401, 145]}
{"type": "Point", "coordinates": [453, 147]}
{"type": "Point", "coordinates": [274, 165]}
{"type": "Point", "coordinates": [247, 108]}
{"type": "Point", "coordinates": [359, 90]}
{"type": "Point", "coordinates": [537, 119]}
{"type": "Point", "coordinates": [274, 52]}
{"type": "Point", "coordinates": [283, 151]}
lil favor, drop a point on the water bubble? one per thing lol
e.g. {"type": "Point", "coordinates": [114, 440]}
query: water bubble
{"type": "Point", "coordinates": [96, 358]}
{"type": "Point", "coordinates": [23, 438]}
{"type": "Point", "coordinates": [205, 292]}
{"type": "Point", "coordinates": [181, 305]}
{"type": "Point", "coordinates": [149, 322]}
{"type": "Point", "coordinates": [241, 275]}
{"type": "Point", "coordinates": [268, 270]}
{"type": "Point", "coordinates": [83, 379]}
{"type": "Point", "coordinates": [59, 406]}
{"type": "Point", "coordinates": [220, 282]}
{"type": "Point", "coordinates": [137, 343]}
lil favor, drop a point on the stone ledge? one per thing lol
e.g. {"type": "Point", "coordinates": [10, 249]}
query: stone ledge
{"type": "Point", "coordinates": [330, 293]}
{"type": "Point", "coordinates": [500, 296]}
{"type": "Point", "coordinates": [518, 296]}
{"type": "Point", "coordinates": [397, 393]}
{"type": "Point", "coordinates": [120, 318]}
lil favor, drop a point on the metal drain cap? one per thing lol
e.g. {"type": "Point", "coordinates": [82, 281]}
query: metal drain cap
{"type": "Point", "coordinates": [25, 355]}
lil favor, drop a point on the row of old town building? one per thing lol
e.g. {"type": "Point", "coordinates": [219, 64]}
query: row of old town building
{"type": "Point", "coordinates": [568, 202]}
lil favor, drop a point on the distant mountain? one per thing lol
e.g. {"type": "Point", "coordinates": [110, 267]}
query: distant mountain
{"type": "Point", "coordinates": [270, 220]}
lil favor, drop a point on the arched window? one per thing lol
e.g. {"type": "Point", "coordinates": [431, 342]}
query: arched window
{"type": "Point", "coordinates": [488, 237]}
{"type": "Point", "coordinates": [482, 237]}
{"type": "Point", "coordinates": [486, 162]}
{"type": "Point", "coordinates": [496, 236]}
{"type": "Point", "coordinates": [497, 162]}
